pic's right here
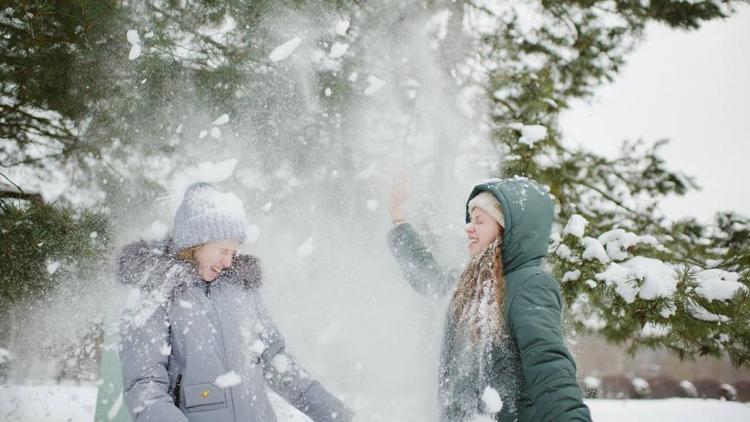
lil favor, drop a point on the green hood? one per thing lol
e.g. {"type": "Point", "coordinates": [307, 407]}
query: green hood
{"type": "Point", "coordinates": [528, 212]}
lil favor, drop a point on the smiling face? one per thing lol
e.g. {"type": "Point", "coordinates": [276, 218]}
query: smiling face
{"type": "Point", "coordinates": [213, 257]}
{"type": "Point", "coordinates": [482, 230]}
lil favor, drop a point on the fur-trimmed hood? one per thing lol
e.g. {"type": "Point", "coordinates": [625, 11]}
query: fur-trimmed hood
{"type": "Point", "coordinates": [151, 265]}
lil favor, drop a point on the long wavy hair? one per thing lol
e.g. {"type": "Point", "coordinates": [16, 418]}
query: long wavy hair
{"type": "Point", "coordinates": [477, 303]}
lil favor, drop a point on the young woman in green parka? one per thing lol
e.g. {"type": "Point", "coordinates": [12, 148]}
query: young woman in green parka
{"type": "Point", "coordinates": [503, 356]}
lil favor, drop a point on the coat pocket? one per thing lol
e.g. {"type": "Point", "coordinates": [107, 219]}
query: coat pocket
{"type": "Point", "coordinates": [200, 397]}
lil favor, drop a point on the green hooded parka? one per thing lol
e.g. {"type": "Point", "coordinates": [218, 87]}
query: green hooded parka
{"type": "Point", "coordinates": [532, 370]}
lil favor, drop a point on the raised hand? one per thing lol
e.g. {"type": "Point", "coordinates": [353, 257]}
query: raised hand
{"type": "Point", "coordinates": [399, 195]}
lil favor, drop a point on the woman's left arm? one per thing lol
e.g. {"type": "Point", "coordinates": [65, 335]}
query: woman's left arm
{"type": "Point", "coordinates": [287, 378]}
{"type": "Point", "coordinates": [535, 322]}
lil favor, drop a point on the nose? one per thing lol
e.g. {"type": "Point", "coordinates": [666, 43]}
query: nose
{"type": "Point", "coordinates": [469, 228]}
{"type": "Point", "coordinates": [226, 262]}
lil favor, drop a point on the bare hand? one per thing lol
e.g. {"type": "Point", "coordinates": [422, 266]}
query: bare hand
{"type": "Point", "coordinates": [399, 195]}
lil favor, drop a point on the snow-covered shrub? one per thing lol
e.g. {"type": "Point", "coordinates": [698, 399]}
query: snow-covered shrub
{"type": "Point", "coordinates": [592, 387]}
{"type": "Point", "coordinates": [632, 288]}
{"type": "Point", "coordinates": [688, 389]}
{"type": "Point", "coordinates": [6, 358]}
{"type": "Point", "coordinates": [728, 392]}
{"type": "Point", "coordinates": [641, 388]}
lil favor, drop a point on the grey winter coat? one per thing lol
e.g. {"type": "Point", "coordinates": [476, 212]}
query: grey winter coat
{"type": "Point", "coordinates": [197, 351]}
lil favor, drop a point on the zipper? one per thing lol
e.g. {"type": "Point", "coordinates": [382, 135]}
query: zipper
{"type": "Point", "coordinates": [223, 346]}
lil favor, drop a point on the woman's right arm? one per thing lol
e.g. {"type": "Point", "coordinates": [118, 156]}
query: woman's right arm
{"type": "Point", "coordinates": [144, 334]}
{"type": "Point", "coordinates": [144, 345]}
{"type": "Point", "coordinates": [417, 263]}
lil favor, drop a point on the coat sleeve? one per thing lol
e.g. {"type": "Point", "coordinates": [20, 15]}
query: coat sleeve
{"type": "Point", "coordinates": [417, 263]}
{"type": "Point", "coordinates": [287, 378]}
{"type": "Point", "coordinates": [548, 367]}
{"type": "Point", "coordinates": [144, 336]}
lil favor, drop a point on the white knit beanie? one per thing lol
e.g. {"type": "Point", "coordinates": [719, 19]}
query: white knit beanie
{"type": "Point", "coordinates": [487, 202]}
{"type": "Point", "coordinates": [207, 215]}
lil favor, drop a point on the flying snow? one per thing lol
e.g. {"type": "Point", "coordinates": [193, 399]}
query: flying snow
{"type": "Point", "coordinates": [135, 44]}
{"type": "Point", "coordinates": [222, 120]}
{"type": "Point", "coordinates": [252, 233]}
{"type": "Point", "coordinates": [165, 349]}
{"type": "Point", "coordinates": [338, 49]}
{"type": "Point", "coordinates": [307, 248]}
{"type": "Point", "coordinates": [530, 134]}
{"type": "Point", "coordinates": [284, 50]}
{"type": "Point", "coordinates": [52, 266]}
{"type": "Point", "coordinates": [342, 27]}
{"type": "Point", "coordinates": [280, 362]}
{"type": "Point", "coordinates": [374, 84]}
{"type": "Point", "coordinates": [491, 399]}
{"type": "Point", "coordinates": [156, 231]}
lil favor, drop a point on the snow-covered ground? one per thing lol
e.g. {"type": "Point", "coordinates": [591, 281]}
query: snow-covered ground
{"type": "Point", "coordinates": [48, 403]}
{"type": "Point", "coordinates": [669, 410]}
{"type": "Point", "coordinates": [63, 403]}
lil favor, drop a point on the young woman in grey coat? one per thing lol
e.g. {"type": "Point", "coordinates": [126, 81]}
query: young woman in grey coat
{"type": "Point", "coordinates": [197, 344]}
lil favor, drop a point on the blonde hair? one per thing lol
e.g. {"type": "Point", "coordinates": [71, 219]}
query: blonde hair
{"type": "Point", "coordinates": [188, 254]}
{"type": "Point", "coordinates": [482, 284]}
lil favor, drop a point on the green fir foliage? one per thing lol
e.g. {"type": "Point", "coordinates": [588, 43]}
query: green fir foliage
{"type": "Point", "coordinates": [41, 244]}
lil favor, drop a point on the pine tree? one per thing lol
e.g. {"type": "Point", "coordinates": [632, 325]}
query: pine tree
{"type": "Point", "coordinates": [43, 243]}
{"type": "Point", "coordinates": [635, 276]}
{"type": "Point", "coordinates": [69, 86]}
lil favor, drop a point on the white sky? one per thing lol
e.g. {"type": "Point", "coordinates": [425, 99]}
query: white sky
{"type": "Point", "coordinates": [693, 88]}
